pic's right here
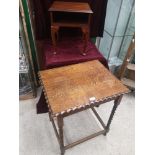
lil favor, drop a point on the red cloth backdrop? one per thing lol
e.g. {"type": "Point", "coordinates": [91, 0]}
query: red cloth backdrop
{"type": "Point", "coordinates": [69, 52]}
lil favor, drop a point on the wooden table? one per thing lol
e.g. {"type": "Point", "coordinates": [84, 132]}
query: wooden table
{"type": "Point", "coordinates": [75, 88]}
{"type": "Point", "coordinates": [71, 12]}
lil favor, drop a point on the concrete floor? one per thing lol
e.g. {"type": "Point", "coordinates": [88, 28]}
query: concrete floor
{"type": "Point", "coordinates": [37, 136]}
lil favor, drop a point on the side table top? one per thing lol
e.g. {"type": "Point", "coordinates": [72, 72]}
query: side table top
{"type": "Point", "coordinates": [70, 7]}
{"type": "Point", "coordinates": [71, 86]}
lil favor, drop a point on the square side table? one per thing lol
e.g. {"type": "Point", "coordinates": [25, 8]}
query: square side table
{"type": "Point", "coordinates": [78, 87]}
{"type": "Point", "coordinates": [70, 19]}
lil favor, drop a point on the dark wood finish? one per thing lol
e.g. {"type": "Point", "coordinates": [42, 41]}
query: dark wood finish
{"type": "Point", "coordinates": [75, 88]}
{"type": "Point", "coordinates": [60, 126]}
{"type": "Point", "coordinates": [42, 18]}
{"type": "Point", "coordinates": [72, 7]}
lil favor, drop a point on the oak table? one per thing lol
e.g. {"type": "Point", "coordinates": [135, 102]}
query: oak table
{"type": "Point", "coordinates": [75, 15]}
{"type": "Point", "coordinates": [78, 87]}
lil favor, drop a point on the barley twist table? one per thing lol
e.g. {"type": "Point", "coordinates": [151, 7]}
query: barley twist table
{"type": "Point", "coordinates": [78, 87]}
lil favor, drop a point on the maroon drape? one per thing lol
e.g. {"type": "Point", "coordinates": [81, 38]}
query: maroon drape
{"type": "Point", "coordinates": [42, 17]}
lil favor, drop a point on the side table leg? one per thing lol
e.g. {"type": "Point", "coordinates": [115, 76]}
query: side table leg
{"type": "Point", "coordinates": [116, 103]}
{"type": "Point", "coordinates": [54, 31]}
{"type": "Point", "coordinates": [60, 126]}
{"type": "Point", "coordinates": [85, 32]}
{"type": "Point", "coordinates": [85, 43]}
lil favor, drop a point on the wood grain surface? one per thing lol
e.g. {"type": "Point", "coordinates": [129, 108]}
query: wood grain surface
{"type": "Point", "coordinates": [70, 7]}
{"type": "Point", "coordinates": [75, 85]}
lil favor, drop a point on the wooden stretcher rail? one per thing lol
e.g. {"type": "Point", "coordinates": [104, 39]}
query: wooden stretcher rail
{"type": "Point", "coordinates": [84, 139]}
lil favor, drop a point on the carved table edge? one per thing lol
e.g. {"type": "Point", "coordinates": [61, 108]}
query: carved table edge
{"type": "Point", "coordinates": [80, 107]}
{"type": "Point", "coordinates": [89, 104]}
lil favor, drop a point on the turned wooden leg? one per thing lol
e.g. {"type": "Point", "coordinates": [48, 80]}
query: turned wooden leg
{"type": "Point", "coordinates": [116, 103]}
{"type": "Point", "coordinates": [54, 33]}
{"type": "Point", "coordinates": [85, 45]}
{"type": "Point", "coordinates": [60, 126]}
{"type": "Point", "coordinates": [85, 31]}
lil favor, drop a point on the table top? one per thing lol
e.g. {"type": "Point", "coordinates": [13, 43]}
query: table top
{"type": "Point", "coordinates": [70, 7]}
{"type": "Point", "coordinates": [72, 86]}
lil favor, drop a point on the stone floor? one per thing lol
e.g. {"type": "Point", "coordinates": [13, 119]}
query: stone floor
{"type": "Point", "coordinates": [37, 136]}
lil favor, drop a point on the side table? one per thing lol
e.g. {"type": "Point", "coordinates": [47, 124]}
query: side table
{"type": "Point", "coordinates": [78, 87]}
{"type": "Point", "coordinates": [70, 12]}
